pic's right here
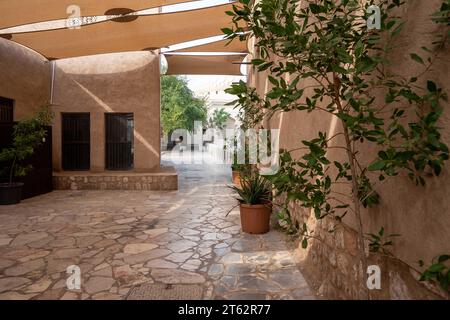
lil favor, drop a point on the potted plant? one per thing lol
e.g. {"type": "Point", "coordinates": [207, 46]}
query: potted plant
{"type": "Point", "coordinates": [238, 171]}
{"type": "Point", "coordinates": [28, 135]}
{"type": "Point", "coordinates": [255, 198]}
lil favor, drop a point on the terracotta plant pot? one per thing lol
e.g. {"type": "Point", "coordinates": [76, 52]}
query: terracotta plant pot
{"type": "Point", "coordinates": [255, 219]}
{"type": "Point", "coordinates": [236, 178]}
{"type": "Point", "coordinates": [10, 193]}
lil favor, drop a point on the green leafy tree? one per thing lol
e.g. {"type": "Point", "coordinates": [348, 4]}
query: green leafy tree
{"type": "Point", "coordinates": [438, 271]}
{"type": "Point", "coordinates": [179, 107]}
{"type": "Point", "coordinates": [219, 119]}
{"type": "Point", "coordinates": [336, 66]}
{"type": "Point", "coordinates": [28, 135]}
{"type": "Point", "coordinates": [443, 14]}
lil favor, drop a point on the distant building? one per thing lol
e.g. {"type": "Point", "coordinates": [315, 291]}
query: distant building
{"type": "Point", "coordinates": [216, 98]}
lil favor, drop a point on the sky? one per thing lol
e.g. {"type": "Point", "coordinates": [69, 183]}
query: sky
{"type": "Point", "coordinates": [201, 85]}
{"type": "Point", "coordinates": [192, 5]}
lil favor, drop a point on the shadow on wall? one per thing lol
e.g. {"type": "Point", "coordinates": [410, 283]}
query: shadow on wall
{"type": "Point", "coordinates": [418, 214]}
{"type": "Point", "coordinates": [111, 83]}
{"type": "Point", "coordinates": [24, 77]}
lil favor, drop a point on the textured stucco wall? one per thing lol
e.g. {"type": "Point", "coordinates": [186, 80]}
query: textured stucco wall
{"type": "Point", "coordinates": [122, 82]}
{"type": "Point", "coordinates": [24, 77]}
{"type": "Point", "coordinates": [419, 214]}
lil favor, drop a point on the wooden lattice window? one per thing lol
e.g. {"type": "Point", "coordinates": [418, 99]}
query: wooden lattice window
{"type": "Point", "coordinates": [119, 134]}
{"type": "Point", "coordinates": [6, 110]}
{"type": "Point", "coordinates": [76, 144]}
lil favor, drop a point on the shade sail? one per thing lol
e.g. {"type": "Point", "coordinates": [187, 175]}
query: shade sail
{"type": "Point", "coordinates": [204, 65]}
{"type": "Point", "coordinates": [145, 33]}
{"type": "Point", "coordinates": [19, 12]}
{"type": "Point", "coordinates": [219, 46]}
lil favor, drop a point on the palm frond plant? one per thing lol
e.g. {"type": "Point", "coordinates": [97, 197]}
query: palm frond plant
{"type": "Point", "coordinates": [254, 190]}
{"type": "Point", "coordinates": [254, 196]}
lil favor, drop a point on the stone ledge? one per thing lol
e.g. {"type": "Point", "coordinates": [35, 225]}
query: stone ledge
{"type": "Point", "coordinates": [165, 179]}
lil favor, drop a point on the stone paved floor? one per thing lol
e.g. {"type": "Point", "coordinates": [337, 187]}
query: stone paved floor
{"type": "Point", "coordinates": [121, 239]}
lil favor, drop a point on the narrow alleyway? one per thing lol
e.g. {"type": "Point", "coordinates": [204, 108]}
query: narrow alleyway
{"type": "Point", "coordinates": [136, 244]}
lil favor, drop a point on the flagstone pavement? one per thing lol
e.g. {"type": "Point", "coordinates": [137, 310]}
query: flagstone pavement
{"type": "Point", "coordinates": [121, 239]}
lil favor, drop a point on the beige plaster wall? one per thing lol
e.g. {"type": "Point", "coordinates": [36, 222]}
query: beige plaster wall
{"type": "Point", "coordinates": [24, 77]}
{"type": "Point", "coordinates": [122, 82]}
{"type": "Point", "coordinates": [419, 214]}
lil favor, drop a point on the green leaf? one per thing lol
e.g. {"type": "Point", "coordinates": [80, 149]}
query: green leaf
{"type": "Point", "coordinates": [304, 243]}
{"type": "Point", "coordinates": [377, 165]}
{"type": "Point", "coordinates": [436, 168]}
{"type": "Point", "coordinates": [338, 69]}
{"type": "Point", "coordinates": [315, 8]}
{"type": "Point", "coordinates": [417, 58]}
{"type": "Point", "coordinates": [227, 31]}
{"type": "Point", "coordinates": [273, 81]}
{"type": "Point", "coordinates": [257, 62]}
{"type": "Point", "coordinates": [443, 258]}
{"type": "Point", "coordinates": [274, 94]}
{"type": "Point", "coordinates": [431, 86]}
{"type": "Point", "coordinates": [359, 48]}
{"type": "Point", "coordinates": [438, 267]}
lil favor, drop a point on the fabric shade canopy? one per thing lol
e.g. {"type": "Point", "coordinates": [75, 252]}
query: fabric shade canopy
{"type": "Point", "coordinates": [19, 12]}
{"type": "Point", "coordinates": [219, 46]}
{"type": "Point", "coordinates": [145, 33]}
{"type": "Point", "coordinates": [204, 65]}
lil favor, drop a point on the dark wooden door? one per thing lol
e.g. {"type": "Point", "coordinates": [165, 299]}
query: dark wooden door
{"type": "Point", "coordinates": [76, 141]}
{"type": "Point", "coordinates": [119, 134]}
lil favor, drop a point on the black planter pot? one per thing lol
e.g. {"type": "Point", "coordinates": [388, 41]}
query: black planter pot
{"type": "Point", "coordinates": [10, 193]}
